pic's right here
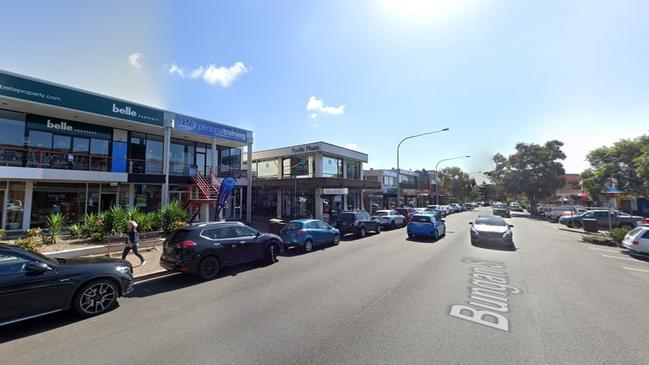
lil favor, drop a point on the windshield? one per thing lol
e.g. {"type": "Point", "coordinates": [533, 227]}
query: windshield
{"type": "Point", "coordinates": [491, 222]}
{"type": "Point", "coordinates": [382, 213]}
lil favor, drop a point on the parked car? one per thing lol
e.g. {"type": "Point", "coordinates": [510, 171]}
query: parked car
{"type": "Point", "coordinates": [502, 210]}
{"type": "Point", "coordinates": [438, 208]}
{"type": "Point", "coordinates": [33, 285]}
{"type": "Point", "coordinates": [426, 225]}
{"type": "Point", "coordinates": [308, 233]}
{"type": "Point", "coordinates": [438, 213]}
{"type": "Point", "coordinates": [617, 219]}
{"type": "Point", "coordinates": [358, 223]}
{"type": "Point", "coordinates": [205, 249]}
{"type": "Point", "coordinates": [554, 213]}
{"type": "Point", "coordinates": [515, 207]}
{"type": "Point", "coordinates": [491, 229]}
{"type": "Point", "coordinates": [406, 212]}
{"type": "Point", "coordinates": [390, 218]}
{"type": "Point", "coordinates": [637, 240]}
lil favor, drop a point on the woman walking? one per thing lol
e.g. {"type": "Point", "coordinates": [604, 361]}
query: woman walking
{"type": "Point", "coordinates": [132, 242]}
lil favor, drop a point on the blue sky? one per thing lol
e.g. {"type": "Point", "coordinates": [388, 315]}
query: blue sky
{"type": "Point", "coordinates": [495, 72]}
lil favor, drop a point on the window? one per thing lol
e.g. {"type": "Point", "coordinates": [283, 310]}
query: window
{"type": "Point", "coordinates": [181, 157]}
{"type": "Point", "coordinates": [312, 225]}
{"type": "Point", "coordinates": [99, 146]}
{"type": "Point", "coordinates": [40, 139]}
{"type": "Point", "coordinates": [353, 170]}
{"type": "Point", "coordinates": [229, 159]}
{"type": "Point", "coordinates": [13, 128]}
{"type": "Point", "coordinates": [601, 214]}
{"type": "Point", "coordinates": [389, 180]}
{"type": "Point", "coordinates": [646, 235]}
{"type": "Point", "coordinates": [323, 225]}
{"type": "Point", "coordinates": [62, 143]}
{"type": "Point", "coordinates": [154, 153]}
{"type": "Point", "coordinates": [266, 169]}
{"type": "Point", "coordinates": [11, 263]}
{"type": "Point", "coordinates": [80, 145]}
{"type": "Point", "coordinates": [298, 166]}
{"type": "Point", "coordinates": [224, 232]}
{"type": "Point", "coordinates": [244, 231]}
{"type": "Point", "coordinates": [332, 167]}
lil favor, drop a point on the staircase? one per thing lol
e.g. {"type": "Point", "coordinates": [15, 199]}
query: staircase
{"type": "Point", "coordinates": [204, 190]}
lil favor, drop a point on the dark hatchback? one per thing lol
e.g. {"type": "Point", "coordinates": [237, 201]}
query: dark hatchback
{"type": "Point", "coordinates": [491, 229]}
{"type": "Point", "coordinates": [32, 285]}
{"type": "Point", "coordinates": [206, 248]}
{"type": "Point", "coordinates": [501, 210]}
{"type": "Point", "coordinates": [358, 223]}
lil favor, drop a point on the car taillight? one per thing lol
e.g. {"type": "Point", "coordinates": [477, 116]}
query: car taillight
{"type": "Point", "coordinates": [645, 221]}
{"type": "Point", "coordinates": [300, 232]}
{"type": "Point", "coordinates": [355, 222]}
{"type": "Point", "coordinates": [635, 242]}
{"type": "Point", "coordinates": [186, 244]}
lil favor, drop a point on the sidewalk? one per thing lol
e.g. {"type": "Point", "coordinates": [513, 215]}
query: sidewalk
{"type": "Point", "coordinates": [152, 265]}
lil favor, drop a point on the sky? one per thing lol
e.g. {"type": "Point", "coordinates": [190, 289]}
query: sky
{"type": "Point", "coordinates": [362, 74]}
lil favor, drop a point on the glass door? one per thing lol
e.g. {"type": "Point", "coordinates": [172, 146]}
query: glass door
{"type": "Point", "coordinates": [2, 207]}
{"type": "Point", "coordinates": [107, 201]}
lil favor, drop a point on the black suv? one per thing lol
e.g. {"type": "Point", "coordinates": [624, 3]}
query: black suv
{"type": "Point", "coordinates": [204, 249]}
{"type": "Point", "coordinates": [358, 223]}
{"type": "Point", "coordinates": [33, 285]}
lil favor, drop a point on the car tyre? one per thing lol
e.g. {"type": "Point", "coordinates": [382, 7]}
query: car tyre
{"type": "Point", "coordinates": [336, 240]}
{"type": "Point", "coordinates": [393, 225]}
{"type": "Point", "coordinates": [208, 268]}
{"type": "Point", "coordinates": [270, 257]}
{"type": "Point", "coordinates": [95, 298]}
{"type": "Point", "coordinates": [378, 228]}
{"type": "Point", "coordinates": [362, 232]}
{"type": "Point", "coordinates": [571, 224]}
{"type": "Point", "coordinates": [308, 246]}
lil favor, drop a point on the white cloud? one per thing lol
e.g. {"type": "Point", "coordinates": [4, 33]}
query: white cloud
{"type": "Point", "coordinates": [212, 74]}
{"type": "Point", "coordinates": [135, 59]}
{"type": "Point", "coordinates": [351, 146]}
{"type": "Point", "coordinates": [313, 115]}
{"type": "Point", "coordinates": [224, 76]}
{"type": "Point", "coordinates": [317, 105]}
{"type": "Point", "coordinates": [176, 70]}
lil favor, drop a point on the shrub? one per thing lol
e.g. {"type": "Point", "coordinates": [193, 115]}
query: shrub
{"type": "Point", "coordinates": [55, 223]}
{"type": "Point", "coordinates": [93, 227]}
{"type": "Point", "coordinates": [617, 234]}
{"type": "Point", "coordinates": [596, 239]}
{"type": "Point", "coordinates": [146, 221]}
{"type": "Point", "coordinates": [2, 232]}
{"type": "Point", "coordinates": [134, 214]}
{"type": "Point", "coordinates": [114, 220]}
{"type": "Point", "coordinates": [76, 230]}
{"type": "Point", "coordinates": [172, 216]}
{"type": "Point", "coordinates": [30, 242]}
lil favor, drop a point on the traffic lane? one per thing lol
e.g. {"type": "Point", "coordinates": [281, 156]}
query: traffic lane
{"type": "Point", "coordinates": [246, 317]}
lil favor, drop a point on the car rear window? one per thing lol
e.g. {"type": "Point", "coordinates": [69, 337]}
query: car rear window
{"type": "Point", "coordinates": [347, 217]}
{"type": "Point", "coordinates": [420, 219]}
{"type": "Point", "coordinates": [293, 226]}
{"type": "Point", "coordinates": [382, 213]}
{"type": "Point", "coordinates": [634, 231]}
{"type": "Point", "coordinates": [179, 235]}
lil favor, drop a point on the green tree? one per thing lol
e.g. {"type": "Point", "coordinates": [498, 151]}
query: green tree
{"type": "Point", "coordinates": [625, 164]}
{"type": "Point", "coordinates": [534, 171]}
{"type": "Point", "coordinates": [457, 183]}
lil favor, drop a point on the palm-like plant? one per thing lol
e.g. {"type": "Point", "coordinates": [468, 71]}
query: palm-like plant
{"type": "Point", "coordinates": [55, 223]}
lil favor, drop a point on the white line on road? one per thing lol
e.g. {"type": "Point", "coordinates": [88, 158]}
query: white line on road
{"type": "Point", "coordinates": [634, 269]}
{"type": "Point", "coordinates": [621, 258]}
{"type": "Point", "coordinates": [603, 249]}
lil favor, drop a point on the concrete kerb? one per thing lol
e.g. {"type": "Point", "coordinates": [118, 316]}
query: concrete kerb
{"type": "Point", "coordinates": [102, 249]}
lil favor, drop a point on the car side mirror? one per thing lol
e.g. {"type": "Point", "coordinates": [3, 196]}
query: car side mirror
{"type": "Point", "coordinates": [257, 234]}
{"type": "Point", "coordinates": [443, 221]}
{"type": "Point", "coordinates": [470, 223]}
{"type": "Point", "coordinates": [37, 267]}
{"type": "Point", "coordinates": [511, 226]}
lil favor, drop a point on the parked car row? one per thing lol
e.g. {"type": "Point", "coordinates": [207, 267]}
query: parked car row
{"type": "Point", "coordinates": [603, 217]}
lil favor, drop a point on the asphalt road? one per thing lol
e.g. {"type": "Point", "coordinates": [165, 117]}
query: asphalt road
{"type": "Point", "coordinates": [380, 300]}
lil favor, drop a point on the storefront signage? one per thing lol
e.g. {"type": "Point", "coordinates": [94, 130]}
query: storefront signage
{"type": "Point", "coordinates": [305, 148]}
{"type": "Point", "coordinates": [340, 191]}
{"type": "Point", "coordinates": [61, 126]}
{"type": "Point", "coordinates": [211, 129]}
{"type": "Point", "coordinates": [31, 90]}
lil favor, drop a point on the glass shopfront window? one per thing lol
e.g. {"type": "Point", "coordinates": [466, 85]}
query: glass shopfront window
{"type": "Point", "coordinates": [50, 198]}
{"type": "Point", "coordinates": [265, 169]}
{"type": "Point", "coordinates": [12, 138]}
{"type": "Point", "coordinates": [148, 197]}
{"type": "Point", "coordinates": [300, 204]}
{"type": "Point", "coordinates": [229, 161]}
{"type": "Point", "coordinates": [298, 166]}
{"type": "Point", "coordinates": [14, 209]}
{"type": "Point", "coordinates": [354, 199]}
{"type": "Point", "coordinates": [332, 167]}
{"type": "Point", "coordinates": [353, 170]}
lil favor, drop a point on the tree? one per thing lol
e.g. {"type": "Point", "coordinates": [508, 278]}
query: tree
{"type": "Point", "coordinates": [457, 183]}
{"type": "Point", "coordinates": [625, 164]}
{"type": "Point", "coordinates": [534, 171]}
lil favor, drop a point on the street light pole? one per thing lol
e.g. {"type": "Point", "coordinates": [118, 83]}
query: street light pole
{"type": "Point", "coordinates": [437, 177]}
{"type": "Point", "coordinates": [399, 169]}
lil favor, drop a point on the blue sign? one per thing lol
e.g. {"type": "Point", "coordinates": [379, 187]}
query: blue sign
{"type": "Point", "coordinates": [211, 129]}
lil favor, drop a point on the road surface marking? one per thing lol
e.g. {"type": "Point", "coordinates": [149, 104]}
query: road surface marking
{"type": "Point", "coordinates": [634, 269]}
{"type": "Point", "coordinates": [621, 258]}
{"type": "Point", "coordinates": [603, 249]}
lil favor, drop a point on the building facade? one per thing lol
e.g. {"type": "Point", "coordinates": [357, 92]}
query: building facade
{"type": "Point", "coordinates": [312, 180]}
{"type": "Point", "coordinates": [385, 195]}
{"type": "Point", "coordinates": [75, 152]}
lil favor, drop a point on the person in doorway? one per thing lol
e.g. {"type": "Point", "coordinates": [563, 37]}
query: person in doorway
{"type": "Point", "coordinates": [132, 242]}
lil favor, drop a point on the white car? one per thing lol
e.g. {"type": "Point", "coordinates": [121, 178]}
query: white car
{"type": "Point", "coordinates": [390, 218]}
{"type": "Point", "coordinates": [637, 240]}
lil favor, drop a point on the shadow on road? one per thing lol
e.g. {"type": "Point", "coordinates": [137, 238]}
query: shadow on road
{"type": "Point", "coordinates": [423, 239]}
{"type": "Point", "coordinates": [37, 325]}
{"type": "Point", "coordinates": [297, 251]}
{"type": "Point", "coordinates": [495, 246]}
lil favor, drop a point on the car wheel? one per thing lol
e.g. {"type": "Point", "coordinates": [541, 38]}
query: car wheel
{"type": "Point", "coordinates": [393, 225]}
{"type": "Point", "coordinates": [208, 268]}
{"type": "Point", "coordinates": [436, 234]}
{"type": "Point", "coordinates": [308, 246]}
{"type": "Point", "coordinates": [577, 224]}
{"type": "Point", "coordinates": [362, 233]}
{"type": "Point", "coordinates": [95, 298]}
{"type": "Point", "coordinates": [410, 235]}
{"type": "Point", "coordinates": [570, 224]}
{"type": "Point", "coordinates": [336, 240]}
{"type": "Point", "coordinates": [271, 253]}
{"type": "Point", "coordinates": [378, 228]}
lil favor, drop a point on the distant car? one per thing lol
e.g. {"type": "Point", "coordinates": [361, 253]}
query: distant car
{"type": "Point", "coordinates": [204, 249]}
{"type": "Point", "coordinates": [617, 219]}
{"type": "Point", "coordinates": [446, 208]}
{"type": "Point", "coordinates": [491, 229]}
{"type": "Point", "coordinates": [501, 210]}
{"type": "Point", "coordinates": [390, 218]}
{"type": "Point", "coordinates": [439, 209]}
{"type": "Point", "coordinates": [637, 240]}
{"type": "Point", "coordinates": [406, 212]}
{"type": "Point", "coordinates": [33, 285]}
{"type": "Point", "coordinates": [426, 225]}
{"type": "Point", "coordinates": [555, 213]}
{"type": "Point", "coordinates": [515, 207]}
{"type": "Point", "coordinates": [308, 233]}
{"type": "Point", "coordinates": [358, 223]}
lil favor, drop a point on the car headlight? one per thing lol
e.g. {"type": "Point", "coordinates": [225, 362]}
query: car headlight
{"type": "Point", "coordinates": [474, 231]}
{"type": "Point", "coordinates": [124, 270]}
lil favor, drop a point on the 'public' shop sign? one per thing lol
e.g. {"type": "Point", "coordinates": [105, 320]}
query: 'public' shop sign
{"type": "Point", "coordinates": [211, 129]}
{"type": "Point", "coordinates": [40, 92]}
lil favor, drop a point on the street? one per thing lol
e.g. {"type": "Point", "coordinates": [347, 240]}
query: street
{"type": "Point", "coordinates": [382, 299]}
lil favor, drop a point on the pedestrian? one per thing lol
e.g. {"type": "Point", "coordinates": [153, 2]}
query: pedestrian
{"type": "Point", "coordinates": [132, 241]}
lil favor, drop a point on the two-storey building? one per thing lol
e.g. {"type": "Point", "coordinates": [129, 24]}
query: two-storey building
{"type": "Point", "coordinates": [72, 151]}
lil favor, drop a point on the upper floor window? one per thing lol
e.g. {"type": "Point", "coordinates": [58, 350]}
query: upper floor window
{"type": "Point", "coordinates": [298, 166]}
{"type": "Point", "coordinates": [353, 170]}
{"type": "Point", "coordinates": [265, 169]}
{"type": "Point", "coordinates": [332, 167]}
